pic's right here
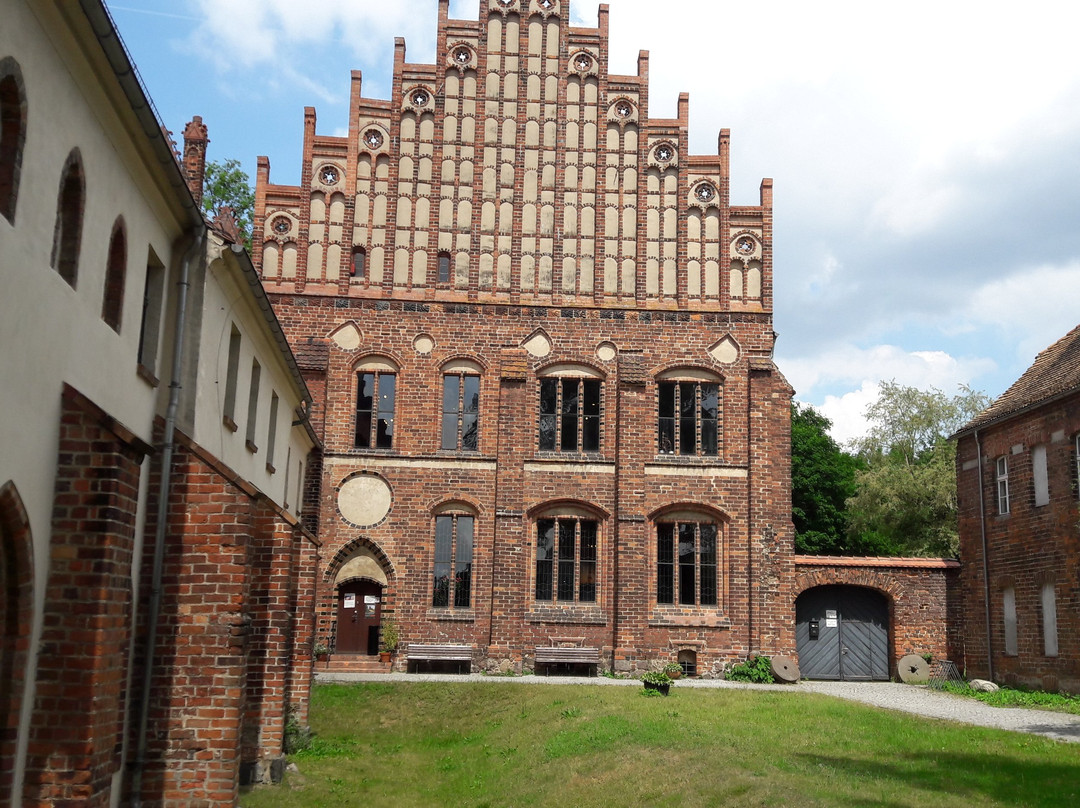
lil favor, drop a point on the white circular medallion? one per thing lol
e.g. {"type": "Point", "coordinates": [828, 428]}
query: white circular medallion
{"type": "Point", "coordinates": [365, 500]}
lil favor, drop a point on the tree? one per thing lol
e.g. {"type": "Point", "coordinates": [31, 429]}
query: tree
{"type": "Point", "coordinates": [226, 185]}
{"type": "Point", "coordinates": [822, 480]}
{"type": "Point", "coordinates": [906, 495]}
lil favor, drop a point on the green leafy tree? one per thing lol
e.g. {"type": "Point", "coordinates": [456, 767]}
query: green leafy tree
{"type": "Point", "coordinates": [227, 185]}
{"type": "Point", "coordinates": [822, 480]}
{"type": "Point", "coordinates": [905, 500]}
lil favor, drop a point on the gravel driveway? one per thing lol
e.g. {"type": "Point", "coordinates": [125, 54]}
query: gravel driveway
{"type": "Point", "coordinates": [890, 695]}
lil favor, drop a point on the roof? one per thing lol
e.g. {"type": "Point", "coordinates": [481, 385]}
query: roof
{"type": "Point", "coordinates": [1055, 372]}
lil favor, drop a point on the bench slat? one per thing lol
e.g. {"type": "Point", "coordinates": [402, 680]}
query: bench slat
{"type": "Point", "coordinates": [590, 656]}
{"type": "Point", "coordinates": [452, 653]}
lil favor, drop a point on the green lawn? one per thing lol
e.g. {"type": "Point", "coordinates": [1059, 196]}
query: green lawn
{"type": "Point", "coordinates": [506, 744]}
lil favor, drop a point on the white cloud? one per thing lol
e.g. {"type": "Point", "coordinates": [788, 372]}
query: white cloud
{"type": "Point", "coordinates": [847, 412]}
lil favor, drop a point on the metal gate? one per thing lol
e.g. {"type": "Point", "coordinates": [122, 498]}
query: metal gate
{"type": "Point", "coordinates": [842, 632]}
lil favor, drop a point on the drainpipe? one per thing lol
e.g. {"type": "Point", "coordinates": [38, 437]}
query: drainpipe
{"type": "Point", "coordinates": [985, 559]}
{"type": "Point", "coordinates": [160, 528]}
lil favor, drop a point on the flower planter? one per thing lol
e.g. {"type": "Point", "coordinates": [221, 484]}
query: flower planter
{"type": "Point", "coordinates": [662, 689]}
{"type": "Point", "coordinates": [674, 674]}
{"type": "Point", "coordinates": [384, 656]}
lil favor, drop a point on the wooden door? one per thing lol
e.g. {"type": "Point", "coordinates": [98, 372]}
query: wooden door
{"type": "Point", "coordinates": [359, 614]}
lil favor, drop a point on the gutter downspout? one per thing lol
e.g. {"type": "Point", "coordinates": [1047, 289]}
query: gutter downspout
{"type": "Point", "coordinates": [985, 559]}
{"type": "Point", "coordinates": [160, 527]}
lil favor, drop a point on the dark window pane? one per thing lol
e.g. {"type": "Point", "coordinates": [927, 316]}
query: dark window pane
{"type": "Point", "coordinates": [666, 440]}
{"type": "Point", "coordinates": [444, 527]}
{"type": "Point", "coordinates": [468, 432]}
{"type": "Point", "coordinates": [570, 408]}
{"type": "Point", "coordinates": [365, 391]}
{"type": "Point", "coordinates": [549, 392]}
{"type": "Point", "coordinates": [667, 399]}
{"type": "Point", "coordinates": [363, 430]}
{"type": "Point", "coordinates": [707, 563]}
{"type": "Point", "coordinates": [463, 567]}
{"type": "Point", "coordinates": [590, 430]}
{"type": "Point", "coordinates": [568, 442]}
{"type": "Point", "coordinates": [549, 395]}
{"type": "Point", "coordinates": [449, 430]}
{"type": "Point", "coordinates": [687, 588]}
{"type": "Point", "coordinates": [566, 559]}
{"type": "Point", "coordinates": [710, 408]}
{"type": "Point", "coordinates": [471, 399]}
{"type": "Point", "coordinates": [665, 566]}
{"type": "Point", "coordinates": [708, 437]}
{"type": "Point", "coordinates": [587, 567]}
{"type": "Point", "coordinates": [545, 546]}
{"type": "Point", "coordinates": [384, 439]}
{"type": "Point", "coordinates": [709, 401]}
{"type": "Point", "coordinates": [570, 389]}
{"type": "Point", "coordinates": [547, 433]}
{"type": "Point", "coordinates": [359, 260]}
{"type": "Point", "coordinates": [444, 268]}
{"type": "Point", "coordinates": [451, 389]}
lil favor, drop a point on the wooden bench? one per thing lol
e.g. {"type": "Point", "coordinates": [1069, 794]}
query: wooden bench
{"type": "Point", "coordinates": [554, 655]}
{"type": "Point", "coordinates": [419, 652]}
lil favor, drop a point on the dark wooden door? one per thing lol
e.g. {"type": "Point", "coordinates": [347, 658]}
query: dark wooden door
{"type": "Point", "coordinates": [842, 633]}
{"type": "Point", "coordinates": [358, 616]}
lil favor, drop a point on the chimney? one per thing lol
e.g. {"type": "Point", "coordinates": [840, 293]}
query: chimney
{"type": "Point", "coordinates": [194, 163]}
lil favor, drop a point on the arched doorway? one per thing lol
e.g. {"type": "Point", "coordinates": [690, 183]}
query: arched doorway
{"type": "Point", "coordinates": [842, 632]}
{"type": "Point", "coordinates": [359, 616]}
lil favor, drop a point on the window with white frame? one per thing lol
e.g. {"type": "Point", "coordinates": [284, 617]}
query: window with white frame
{"type": "Point", "coordinates": [1039, 476]}
{"type": "Point", "coordinates": [1002, 475]}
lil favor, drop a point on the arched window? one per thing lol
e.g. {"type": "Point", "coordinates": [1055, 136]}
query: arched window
{"type": "Point", "coordinates": [115, 272]}
{"type": "Point", "coordinates": [376, 387]}
{"type": "Point", "coordinates": [358, 268]}
{"type": "Point", "coordinates": [689, 558]}
{"type": "Point", "coordinates": [444, 267]}
{"type": "Point", "coordinates": [688, 412]}
{"type": "Point", "coordinates": [453, 558]}
{"type": "Point", "coordinates": [69, 215]}
{"type": "Point", "coordinates": [568, 539]}
{"type": "Point", "coordinates": [12, 134]}
{"type": "Point", "coordinates": [461, 406]}
{"type": "Point", "coordinates": [570, 409]}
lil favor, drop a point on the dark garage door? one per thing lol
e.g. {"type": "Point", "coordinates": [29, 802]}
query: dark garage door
{"type": "Point", "coordinates": [842, 632]}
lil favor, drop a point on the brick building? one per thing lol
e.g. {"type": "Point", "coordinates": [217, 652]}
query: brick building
{"type": "Point", "coordinates": [1017, 468]}
{"type": "Point", "coordinates": [156, 618]}
{"type": "Point", "coordinates": [539, 340]}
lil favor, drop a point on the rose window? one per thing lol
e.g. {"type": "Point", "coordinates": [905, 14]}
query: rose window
{"type": "Point", "coordinates": [373, 138]}
{"type": "Point", "coordinates": [583, 61]}
{"type": "Point", "coordinates": [664, 153]}
{"type": "Point", "coordinates": [705, 192]}
{"type": "Point", "coordinates": [745, 246]}
{"type": "Point", "coordinates": [420, 98]}
{"type": "Point", "coordinates": [281, 224]}
{"type": "Point", "coordinates": [329, 175]}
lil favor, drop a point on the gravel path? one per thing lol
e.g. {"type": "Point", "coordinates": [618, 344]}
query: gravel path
{"type": "Point", "coordinates": [890, 695]}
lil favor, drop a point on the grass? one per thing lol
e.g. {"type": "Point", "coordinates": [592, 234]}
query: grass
{"type": "Point", "coordinates": [504, 744]}
{"type": "Point", "coordinates": [1016, 697]}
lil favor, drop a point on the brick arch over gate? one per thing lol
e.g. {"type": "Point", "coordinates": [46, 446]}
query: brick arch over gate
{"type": "Point", "coordinates": [922, 595]}
{"type": "Point", "coordinates": [327, 599]}
{"type": "Point", "coordinates": [16, 614]}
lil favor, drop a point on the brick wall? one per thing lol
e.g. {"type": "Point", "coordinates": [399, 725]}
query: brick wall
{"type": "Point", "coordinates": [82, 662]}
{"type": "Point", "coordinates": [922, 593]}
{"type": "Point", "coordinates": [1027, 548]}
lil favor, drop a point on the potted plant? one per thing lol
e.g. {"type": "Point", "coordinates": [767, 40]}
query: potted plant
{"type": "Point", "coordinates": [389, 638]}
{"type": "Point", "coordinates": [657, 680]}
{"type": "Point", "coordinates": [320, 649]}
{"type": "Point", "coordinates": [673, 670]}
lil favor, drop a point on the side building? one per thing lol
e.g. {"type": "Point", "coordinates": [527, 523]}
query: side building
{"type": "Point", "coordinates": [156, 621]}
{"type": "Point", "coordinates": [539, 340]}
{"type": "Point", "coordinates": [1018, 465]}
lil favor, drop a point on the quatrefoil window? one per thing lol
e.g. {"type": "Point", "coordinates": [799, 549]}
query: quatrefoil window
{"type": "Point", "coordinates": [583, 61]}
{"type": "Point", "coordinates": [705, 192]}
{"type": "Point", "coordinates": [745, 245]}
{"type": "Point", "coordinates": [664, 153]}
{"type": "Point", "coordinates": [329, 175]}
{"type": "Point", "coordinates": [421, 97]}
{"type": "Point", "coordinates": [624, 109]}
{"type": "Point", "coordinates": [545, 3]}
{"type": "Point", "coordinates": [462, 55]}
{"type": "Point", "coordinates": [281, 224]}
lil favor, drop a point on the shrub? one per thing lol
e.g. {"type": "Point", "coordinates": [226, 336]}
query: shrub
{"type": "Point", "coordinates": [757, 669]}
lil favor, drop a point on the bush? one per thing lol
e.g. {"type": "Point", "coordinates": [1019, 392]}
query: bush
{"type": "Point", "coordinates": [656, 678]}
{"type": "Point", "coordinates": [757, 669]}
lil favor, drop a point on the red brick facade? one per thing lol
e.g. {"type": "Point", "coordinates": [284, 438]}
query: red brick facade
{"type": "Point", "coordinates": [1023, 451]}
{"type": "Point", "coordinates": [514, 215]}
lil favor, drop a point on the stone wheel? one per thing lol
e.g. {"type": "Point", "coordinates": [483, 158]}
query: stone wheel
{"type": "Point", "coordinates": [913, 670]}
{"type": "Point", "coordinates": [785, 669]}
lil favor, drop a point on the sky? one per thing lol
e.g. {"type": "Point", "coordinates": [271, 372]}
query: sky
{"type": "Point", "coordinates": [925, 155]}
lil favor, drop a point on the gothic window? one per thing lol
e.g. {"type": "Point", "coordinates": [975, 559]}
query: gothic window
{"type": "Point", "coordinates": [115, 273]}
{"type": "Point", "coordinates": [376, 385]}
{"type": "Point", "coordinates": [460, 408]}
{"type": "Point", "coordinates": [69, 215]}
{"type": "Point", "coordinates": [444, 267]}
{"type": "Point", "coordinates": [687, 559]}
{"type": "Point", "coordinates": [566, 555]}
{"type": "Point", "coordinates": [12, 135]}
{"type": "Point", "coordinates": [452, 587]}
{"type": "Point", "coordinates": [688, 417]}
{"type": "Point", "coordinates": [358, 268]}
{"type": "Point", "coordinates": [569, 414]}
